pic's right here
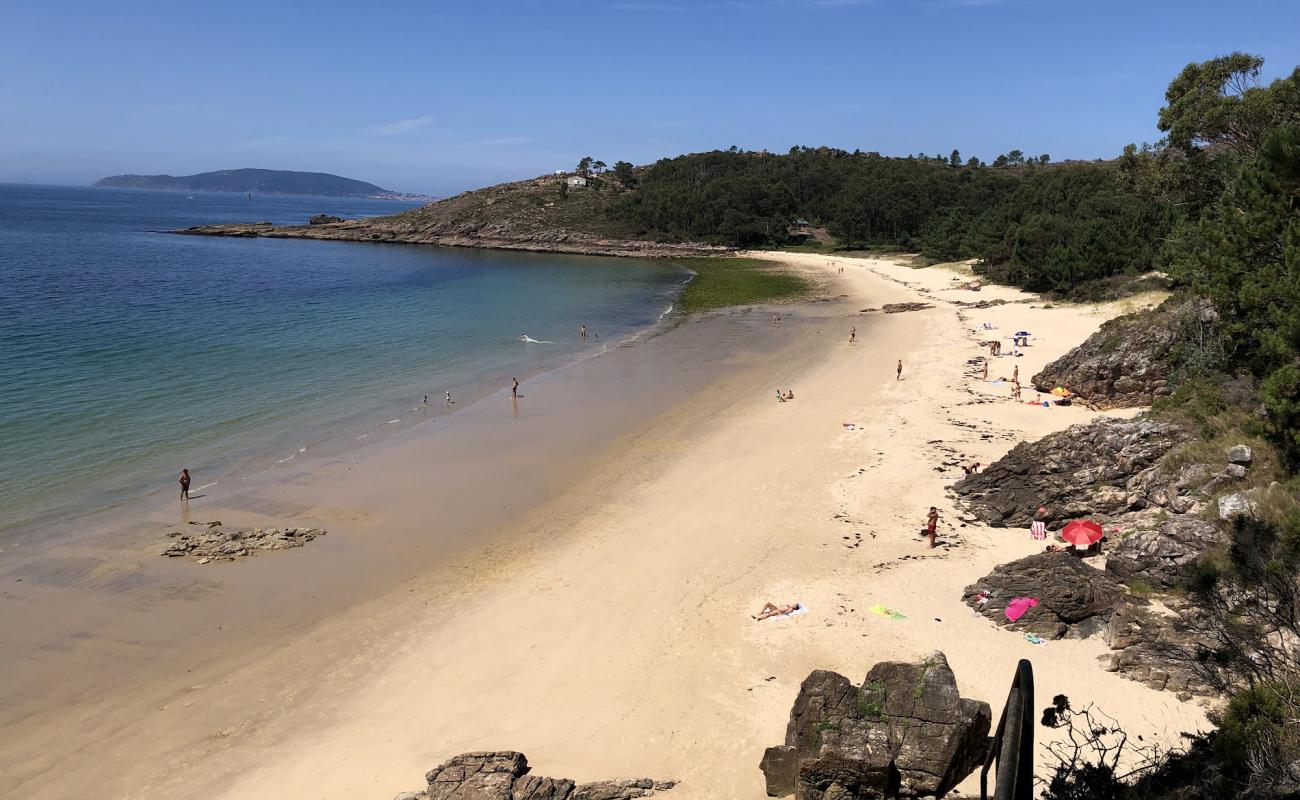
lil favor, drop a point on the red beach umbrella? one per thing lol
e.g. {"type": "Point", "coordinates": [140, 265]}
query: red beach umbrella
{"type": "Point", "coordinates": [1082, 532]}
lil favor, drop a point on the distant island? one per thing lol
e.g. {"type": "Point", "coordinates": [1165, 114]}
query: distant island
{"type": "Point", "coordinates": [260, 181]}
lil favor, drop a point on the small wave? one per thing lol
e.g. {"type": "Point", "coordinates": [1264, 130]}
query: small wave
{"type": "Point", "coordinates": [391, 421]}
{"type": "Point", "coordinates": [206, 486]}
{"type": "Point", "coordinates": [362, 436]}
{"type": "Point", "coordinates": [530, 340]}
{"type": "Point", "coordinates": [667, 311]}
{"type": "Point", "coordinates": [286, 460]}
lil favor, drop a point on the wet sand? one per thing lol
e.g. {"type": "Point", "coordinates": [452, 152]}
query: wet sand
{"type": "Point", "coordinates": [101, 628]}
{"type": "Point", "coordinates": [597, 614]}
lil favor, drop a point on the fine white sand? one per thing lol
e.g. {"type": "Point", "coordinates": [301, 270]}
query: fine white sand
{"type": "Point", "coordinates": [610, 634]}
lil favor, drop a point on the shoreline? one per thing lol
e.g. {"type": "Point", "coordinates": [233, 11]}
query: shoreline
{"type": "Point", "coordinates": [607, 629]}
{"type": "Point", "coordinates": [355, 429]}
{"type": "Point", "coordinates": [558, 242]}
{"type": "Point", "coordinates": [122, 570]}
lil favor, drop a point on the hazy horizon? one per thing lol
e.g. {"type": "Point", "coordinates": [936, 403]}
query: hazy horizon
{"type": "Point", "coordinates": [438, 100]}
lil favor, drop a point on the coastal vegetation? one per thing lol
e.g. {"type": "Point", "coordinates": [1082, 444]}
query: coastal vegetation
{"type": "Point", "coordinates": [723, 282]}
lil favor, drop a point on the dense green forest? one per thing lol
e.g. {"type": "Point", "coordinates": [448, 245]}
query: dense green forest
{"type": "Point", "coordinates": [1048, 227]}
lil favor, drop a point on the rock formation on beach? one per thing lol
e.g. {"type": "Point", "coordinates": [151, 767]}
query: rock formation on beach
{"type": "Point", "coordinates": [1164, 512]}
{"type": "Point", "coordinates": [1104, 466]}
{"type": "Point", "coordinates": [211, 541]}
{"type": "Point", "coordinates": [1073, 598]}
{"type": "Point", "coordinates": [905, 732]}
{"type": "Point", "coordinates": [1161, 556]}
{"type": "Point", "coordinates": [525, 215]}
{"type": "Point", "coordinates": [1128, 361]}
{"type": "Point", "coordinates": [504, 775]}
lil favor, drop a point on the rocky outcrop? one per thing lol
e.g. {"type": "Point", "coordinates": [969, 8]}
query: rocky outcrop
{"type": "Point", "coordinates": [1128, 361]}
{"type": "Point", "coordinates": [504, 775]}
{"type": "Point", "coordinates": [1103, 467]}
{"type": "Point", "coordinates": [324, 219]}
{"type": "Point", "coordinates": [1157, 649]}
{"type": "Point", "coordinates": [905, 732]}
{"type": "Point", "coordinates": [211, 541]}
{"type": "Point", "coordinates": [1073, 598]}
{"type": "Point", "coordinates": [1161, 556]}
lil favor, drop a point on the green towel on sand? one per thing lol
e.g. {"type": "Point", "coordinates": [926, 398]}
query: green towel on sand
{"type": "Point", "coordinates": [885, 611]}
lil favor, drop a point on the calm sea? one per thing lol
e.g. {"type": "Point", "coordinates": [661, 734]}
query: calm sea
{"type": "Point", "coordinates": [127, 352]}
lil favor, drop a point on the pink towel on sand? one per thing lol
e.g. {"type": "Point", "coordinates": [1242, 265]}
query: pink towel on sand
{"type": "Point", "coordinates": [1017, 607]}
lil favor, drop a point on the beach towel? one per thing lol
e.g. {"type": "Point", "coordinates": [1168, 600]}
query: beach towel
{"type": "Point", "coordinates": [1038, 529]}
{"type": "Point", "coordinates": [1034, 639]}
{"type": "Point", "coordinates": [885, 611]}
{"type": "Point", "coordinates": [1017, 607]}
{"type": "Point", "coordinates": [799, 608]}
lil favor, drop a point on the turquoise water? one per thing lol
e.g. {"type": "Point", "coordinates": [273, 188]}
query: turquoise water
{"type": "Point", "coordinates": [127, 352]}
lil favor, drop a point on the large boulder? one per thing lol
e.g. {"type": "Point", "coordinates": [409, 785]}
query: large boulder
{"type": "Point", "coordinates": [1128, 361]}
{"type": "Point", "coordinates": [1161, 556]}
{"type": "Point", "coordinates": [905, 732]}
{"type": "Point", "coordinates": [1095, 468]}
{"type": "Point", "coordinates": [503, 775]}
{"type": "Point", "coordinates": [1237, 504]}
{"type": "Point", "coordinates": [1074, 598]}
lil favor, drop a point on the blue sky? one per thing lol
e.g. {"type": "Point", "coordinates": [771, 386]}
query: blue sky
{"type": "Point", "coordinates": [437, 96]}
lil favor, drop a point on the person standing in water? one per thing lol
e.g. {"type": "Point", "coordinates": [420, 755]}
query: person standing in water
{"type": "Point", "coordinates": [583, 328]}
{"type": "Point", "coordinates": [185, 483]}
{"type": "Point", "coordinates": [448, 401]}
{"type": "Point", "coordinates": [514, 388]}
{"type": "Point", "coordinates": [898, 375]}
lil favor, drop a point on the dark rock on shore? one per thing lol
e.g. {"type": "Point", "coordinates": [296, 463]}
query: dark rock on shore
{"type": "Point", "coordinates": [905, 732]}
{"type": "Point", "coordinates": [1128, 361]}
{"type": "Point", "coordinates": [1102, 467]}
{"type": "Point", "coordinates": [324, 219]}
{"type": "Point", "coordinates": [211, 541]}
{"type": "Point", "coordinates": [903, 308]}
{"type": "Point", "coordinates": [1074, 598]}
{"type": "Point", "coordinates": [504, 775]}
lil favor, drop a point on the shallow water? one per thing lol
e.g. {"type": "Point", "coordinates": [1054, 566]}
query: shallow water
{"type": "Point", "coordinates": [127, 352]}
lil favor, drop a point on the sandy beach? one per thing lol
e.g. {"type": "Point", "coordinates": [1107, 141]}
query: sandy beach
{"type": "Point", "coordinates": [601, 623]}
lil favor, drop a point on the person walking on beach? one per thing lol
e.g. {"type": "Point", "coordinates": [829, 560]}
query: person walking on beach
{"type": "Point", "coordinates": [514, 388]}
{"type": "Point", "coordinates": [931, 523]}
{"type": "Point", "coordinates": [986, 369]}
{"type": "Point", "coordinates": [898, 375]}
{"type": "Point", "coordinates": [426, 400]}
{"type": "Point", "coordinates": [185, 483]}
{"type": "Point", "coordinates": [853, 334]}
{"type": "Point", "coordinates": [1015, 374]}
{"type": "Point", "coordinates": [583, 329]}
{"type": "Point", "coordinates": [448, 401]}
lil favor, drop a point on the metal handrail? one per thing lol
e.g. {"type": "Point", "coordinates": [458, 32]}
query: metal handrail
{"type": "Point", "coordinates": [1012, 748]}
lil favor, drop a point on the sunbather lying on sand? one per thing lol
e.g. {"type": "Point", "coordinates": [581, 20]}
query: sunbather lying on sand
{"type": "Point", "coordinates": [772, 610]}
